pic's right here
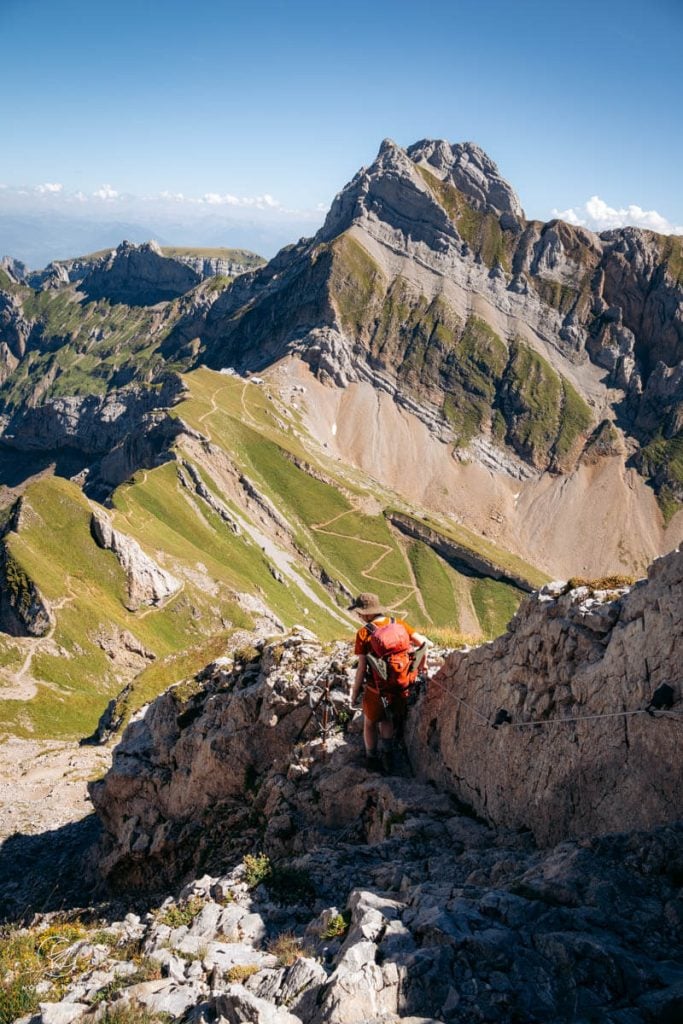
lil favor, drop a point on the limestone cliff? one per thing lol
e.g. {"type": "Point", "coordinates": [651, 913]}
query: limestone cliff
{"type": "Point", "coordinates": [572, 662]}
{"type": "Point", "coordinates": [139, 276]}
{"type": "Point", "coordinates": [147, 582]}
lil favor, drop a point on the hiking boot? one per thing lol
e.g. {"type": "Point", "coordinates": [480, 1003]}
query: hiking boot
{"type": "Point", "coordinates": [387, 761]}
{"type": "Point", "coordinates": [372, 762]}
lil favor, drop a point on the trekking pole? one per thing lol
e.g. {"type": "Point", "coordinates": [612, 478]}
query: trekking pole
{"type": "Point", "coordinates": [325, 717]}
{"type": "Point", "coordinates": [414, 692]}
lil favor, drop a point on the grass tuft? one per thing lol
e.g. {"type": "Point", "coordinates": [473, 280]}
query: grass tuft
{"type": "Point", "coordinates": [287, 948]}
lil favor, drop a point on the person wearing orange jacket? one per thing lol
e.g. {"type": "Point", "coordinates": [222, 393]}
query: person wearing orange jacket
{"type": "Point", "coordinates": [385, 690]}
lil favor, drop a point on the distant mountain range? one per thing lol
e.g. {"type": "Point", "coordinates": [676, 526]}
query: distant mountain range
{"type": "Point", "coordinates": [531, 345]}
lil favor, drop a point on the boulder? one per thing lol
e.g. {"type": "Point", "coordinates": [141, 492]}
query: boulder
{"type": "Point", "coordinates": [147, 582]}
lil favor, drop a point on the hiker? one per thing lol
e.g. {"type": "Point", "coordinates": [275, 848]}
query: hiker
{"type": "Point", "coordinates": [390, 654]}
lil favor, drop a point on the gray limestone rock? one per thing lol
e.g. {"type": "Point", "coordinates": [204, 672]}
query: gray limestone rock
{"type": "Point", "coordinates": [139, 275]}
{"type": "Point", "coordinates": [470, 170]}
{"type": "Point", "coordinates": [61, 1013]}
{"type": "Point", "coordinates": [147, 582]}
{"type": "Point", "coordinates": [224, 955]}
{"type": "Point", "coordinates": [239, 1006]}
{"type": "Point", "coordinates": [571, 663]}
{"type": "Point", "coordinates": [166, 995]}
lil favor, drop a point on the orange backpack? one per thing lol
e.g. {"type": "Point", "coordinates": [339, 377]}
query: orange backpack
{"type": "Point", "coordinates": [390, 660]}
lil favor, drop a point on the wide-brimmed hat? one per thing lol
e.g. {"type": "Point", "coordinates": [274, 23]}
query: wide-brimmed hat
{"type": "Point", "coordinates": [366, 604]}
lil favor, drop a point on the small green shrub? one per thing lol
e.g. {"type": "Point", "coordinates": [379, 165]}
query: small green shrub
{"type": "Point", "coordinates": [287, 948]}
{"type": "Point", "coordinates": [257, 868]}
{"type": "Point", "coordinates": [148, 970]}
{"type": "Point", "coordinates": [337, 926]}
{"type": "Point", "coordinates": [18, 998]}
{"type": "Point", "coordinates": [132, 1013]}
{"type": "Point", "coordinates": [29, 956]}
{"type": "Point", "coordinates": [614, 582]}
{"type": "Point", "coordinates": [184, 914]}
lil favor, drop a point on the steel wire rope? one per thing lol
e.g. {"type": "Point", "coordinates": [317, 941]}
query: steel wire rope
{"type": "Point", "coordinates": [653, 713]}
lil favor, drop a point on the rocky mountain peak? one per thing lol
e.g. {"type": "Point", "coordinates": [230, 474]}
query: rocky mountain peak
{"type": "Point", "coordinates": [471, 170]}
{"type": "Point", "coordinates": [392, 191]}
{"type": "Point", "coordinates": [393, 188]}
{"type": "Point", "coordinates": [387, 146]}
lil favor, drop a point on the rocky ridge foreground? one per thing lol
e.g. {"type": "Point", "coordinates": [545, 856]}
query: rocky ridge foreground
{"type": "Point", "coordinates": [401, 902]}
{"type": "Point", "coordinates": [179, 774]}
{"type": "Point", "coordinates": [439, 919]}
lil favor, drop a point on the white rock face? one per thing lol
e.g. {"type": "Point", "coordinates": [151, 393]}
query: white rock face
{"type": "Point", "coordinates": [148, 583]}
{"type": "Point", "coordinates": [567, 655]}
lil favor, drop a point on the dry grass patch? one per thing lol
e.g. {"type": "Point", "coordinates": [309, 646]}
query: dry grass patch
{"type": "Point", "coordinates": [287, 948]}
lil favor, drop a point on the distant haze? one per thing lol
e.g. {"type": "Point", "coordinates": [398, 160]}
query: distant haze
{"type": "Point", "coordinates": [38, 236]}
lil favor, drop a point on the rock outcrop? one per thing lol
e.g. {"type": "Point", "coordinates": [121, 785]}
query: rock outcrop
{"type": "Point", "coordinates": [147, 582]}
{"type": "Point", "coordinates": [230, 263]}
{"type": "Point", "coordinates": [24, 611]}
{"type": "Point", "coordinates": [93, 423]}
{"type": "Point", "coordinates": [575, 672]}
{"type": "Point", "coordinates": [239, 262]}
{"type": "Point", "coordinates": [456, 554]}
{"type": "Point", "coordinates": [138, 275]}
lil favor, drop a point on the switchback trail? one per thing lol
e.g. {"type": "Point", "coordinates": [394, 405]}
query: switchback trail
{"type": "Point", "coordinates": [386, 549]}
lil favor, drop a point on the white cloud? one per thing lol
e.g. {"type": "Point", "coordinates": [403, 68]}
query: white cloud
{"type": "Point", "coordinates": [174, 197]}
{"type": "Point", "coordinates": [106, 192]}
{"type": "Point", "coordinates": [49, 187]}
{"type": "Point", "coordinates": [264, 202]}
{"type": "Point", "coordinates": [215, 199]}
{"type": "Point", "coordinates": [597, 215]}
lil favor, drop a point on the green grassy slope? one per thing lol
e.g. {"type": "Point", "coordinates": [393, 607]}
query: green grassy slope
{"type": "Point", "coordinates": [68, 678]}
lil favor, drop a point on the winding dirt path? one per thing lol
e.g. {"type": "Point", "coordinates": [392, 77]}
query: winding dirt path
{"type": "Point", "coordinates": [214, 407]}
{"type": "Point", "coordinates": [23, 686]}
{"type": "Point", "coordinates": [368, 573]}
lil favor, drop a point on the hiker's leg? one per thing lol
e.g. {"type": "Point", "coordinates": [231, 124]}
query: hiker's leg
{"type": "Point", "coordinates": [370, 736]}
{"type": "Point", "coordinates": [386, 744]}
{"type": "Point", "coordinates": [372, 714]}
{"type": "Point", "coordinates": [386, 728]}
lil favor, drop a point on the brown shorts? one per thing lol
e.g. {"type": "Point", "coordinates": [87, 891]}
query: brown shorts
{"type": "Point", "coordinates": [373, 708]}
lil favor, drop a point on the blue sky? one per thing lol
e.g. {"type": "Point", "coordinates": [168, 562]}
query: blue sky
{"type": "Point", "coordinates": [271, 107]}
